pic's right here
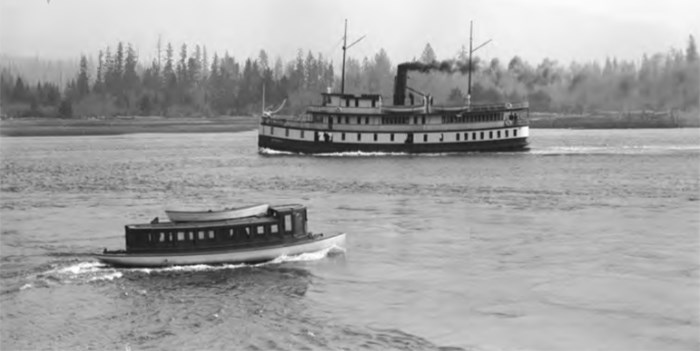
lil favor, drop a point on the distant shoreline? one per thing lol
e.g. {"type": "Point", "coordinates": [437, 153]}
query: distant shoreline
{"type": "Point", "coordinates": [616, 120]}
{"type": "Point", "coordinates": [124, 125]}
{"type": "Point", "coordinates": [231, 124]}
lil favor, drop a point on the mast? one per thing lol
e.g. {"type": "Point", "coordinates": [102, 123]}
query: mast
{"type": "Point", "coordinates": [469, 67]}
{"type": "Point", "coordinates": [345, 40]}
{"type": "Point", "coordinates": [345, 48]}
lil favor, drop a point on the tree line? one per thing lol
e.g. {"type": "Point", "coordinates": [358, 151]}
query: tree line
{"type": "Point", "coordinates": [193, 83]}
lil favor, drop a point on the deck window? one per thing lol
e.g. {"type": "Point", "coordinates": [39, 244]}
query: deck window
{"type": "Point", "coordinates": [392, 136]}
{"type": "Point", "coordinates": [466, 136]}
{"type": "Point", "coordinates": [260, 230]}
{"type": "Point", "coordinates": [288, 223]}
{"type": "Point", "coordinates": [274, 229]}
{"type": "Point", "coordinates": [302, 134]}
{"type": "Point", "coordinates": [375, 136]}
{"type": "Point", "coordinates": [342, 136]}
{"type": "Point", "coordinates": [481, 136]}
{"type": "Point", "coordinates": [211, 235]}
{"type": "Point", "coordinates": [359, 137]}
{"type": "Point", "coordinates": [367, 118]}
{"type": "Point", "coordinates": [498, 134]}
{"type": "Point", "coordinates": [423, 119]}
{"type": "Point", "coordinates": [425, 137]}
{"type": "Point", "coordinates": [180, 236]}
{"type": "Point", "coordinates": [506, 133]}
{"type": "Point", "coordinates": [286, 132]}
{"type": "Point", "coordinates": [457, 136]}
{"type": "Point", "coordinates": [515, 132]}
{"type": "Point", "coordinates": [490, 135]}
{"type": "Point", "coordinates": [347, 119]}
{"type": "Point", "coordinates": [272, 130]}
{"type": "Point", "coordinates": [161, 237]}
{"type": "Point", "coordinates": [339, 120]}
{"type": "Point", "coordinates": [474, 136]}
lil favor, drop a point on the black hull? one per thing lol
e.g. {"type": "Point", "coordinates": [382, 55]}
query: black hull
{"type": "Point", "coordinates": [321, 147]}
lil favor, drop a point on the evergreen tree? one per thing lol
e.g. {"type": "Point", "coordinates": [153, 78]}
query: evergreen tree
{"type": "Point", "coordinates": [428, 54]}
{"type": "Point", "coordinates": [83, 83]}
{"type": "Point", "coordinates": [691, 52]}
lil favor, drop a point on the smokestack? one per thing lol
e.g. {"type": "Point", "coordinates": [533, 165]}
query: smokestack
{"type": "Point", "coordinates": [400, 84]}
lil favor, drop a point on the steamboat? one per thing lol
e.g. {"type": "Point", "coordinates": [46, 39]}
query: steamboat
{"type": "Point", "coordinates": [281, 231]}
{"type": "Point", "coordinates": [364, 123]}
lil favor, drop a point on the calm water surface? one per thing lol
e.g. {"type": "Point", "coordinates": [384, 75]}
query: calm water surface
{"type": "Point", "coordinates": [587, 242]}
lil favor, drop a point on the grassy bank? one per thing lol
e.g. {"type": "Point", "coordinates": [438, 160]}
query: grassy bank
{"type": "Point", "coordinates": [124, 125]}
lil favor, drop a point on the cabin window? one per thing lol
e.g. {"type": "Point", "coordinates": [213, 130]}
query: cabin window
{"type": "Point", "coordinates": [415, 120]}
{"type": "Point", "coordinates": [200, 235]}
{"type": "Point", "coordinates": [367, 120]}
{"type": "Point", "coordinates": [286, 132]}
{"type": "Point", "coordinates": [375, 136]}
{"type": "Point", "coordinates": [288, 223]}
{"type": "Point", "coordinates": [161, 237]}
{"type": "Point", "coordinates": [347, 104]}
{"type": "Point", "coordinates": [231, 234]}
{"type": "Point", "coordinates": [515, 132]}
{"type": "Point", "coordinates": [392, 137]}
{"type": "Point", "coordinates": [490, 135]}
{"type": "Point", "coordinates": [481, 136]}
{"type": "Point", "coordinates": [466, 136]}
{"type": "Point", "coordinates": [260, 230]}
{"type": "Point", "coordinates": [506, 133]}
{"type": "Point", "coordinates": [425, 137]}
{"type": "Point", "coordinates": [272, 130]}
{"type": "Point", "coordinates": [274, 229]}
{"type": "Point", "coordinates": [211, 235]}
{"type": "Point", "coordinates": [457, 135]}
{"type": "Point", "coordinates": [342, 136]}
{"type": "Point", "coordinates": [474, 136]}
{"type": "Point", "coordinates": [357, 102]}
{"type": "Point", "coordinates": [347, 119]}
{"type": "Point", "coordinates": [374, 103]}
{"type": "Point", "coordinates": [302, 134]}
{"type": "Point", "coordinates": [359, 137]}
{"type": "Point", "coordinates": [339, 120]}
{"type": "Point", "coordinates": [180, 236]}
{"type": "Point", "coordinates": [423, 119]}
{"type": "Point", "coordinates": [498, 134]}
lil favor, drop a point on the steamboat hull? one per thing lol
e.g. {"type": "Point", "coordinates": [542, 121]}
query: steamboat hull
{"type": "Point", "coordinates": [310, 147]}
{"type": "Point", "coordinates": [221, 256]}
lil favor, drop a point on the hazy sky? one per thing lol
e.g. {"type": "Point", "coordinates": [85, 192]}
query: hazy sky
{"type": "Point", "coordinates": [565, 30]}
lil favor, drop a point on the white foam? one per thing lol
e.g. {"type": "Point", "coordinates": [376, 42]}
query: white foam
{"type": "Point", "coordinates": [308, 256]}
{"type": "Point", "coordinates": [109, 276]}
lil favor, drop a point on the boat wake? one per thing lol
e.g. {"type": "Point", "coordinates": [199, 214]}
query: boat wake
{"type": "Point", "coordinates": [93, 271]}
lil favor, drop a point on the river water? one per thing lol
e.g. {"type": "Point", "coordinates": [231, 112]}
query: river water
{"type": "Point", "coordinates": [587, 242]}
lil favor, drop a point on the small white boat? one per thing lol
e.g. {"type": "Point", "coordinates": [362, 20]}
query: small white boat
{"type": "Point", "coordinates": [217, 215]}
{"type": "Point", "coordinates": [312, 243]}
{"type": "Point", "coordinates": [282, 231]}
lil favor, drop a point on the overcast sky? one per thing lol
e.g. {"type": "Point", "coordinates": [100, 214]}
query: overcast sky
{"type": "Point", "coordinates": [565, 30]}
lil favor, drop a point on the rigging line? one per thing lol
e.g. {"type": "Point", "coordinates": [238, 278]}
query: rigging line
{"type": "Point", "coordinates": [329, 53]}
